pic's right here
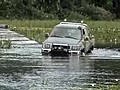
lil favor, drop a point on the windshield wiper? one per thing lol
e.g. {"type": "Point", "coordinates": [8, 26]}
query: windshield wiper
{"type": "Point", "coordinates": [56, 36]}
{"type": "Point", "coordinates": [70, 37]}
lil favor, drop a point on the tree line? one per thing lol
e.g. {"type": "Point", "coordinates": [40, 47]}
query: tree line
{"type": "Point", "coordinates": [60, 9]}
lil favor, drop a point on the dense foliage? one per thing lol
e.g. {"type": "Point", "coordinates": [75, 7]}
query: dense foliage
{"type": "Point", "coordinates": [60, 9]}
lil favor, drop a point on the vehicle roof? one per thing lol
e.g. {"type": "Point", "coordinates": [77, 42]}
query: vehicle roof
{"type": "Point", "coordinates": [71, 25]}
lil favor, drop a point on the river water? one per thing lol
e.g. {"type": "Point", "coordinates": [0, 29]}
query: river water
{"type": "Point", "coordinates": [22, 67]}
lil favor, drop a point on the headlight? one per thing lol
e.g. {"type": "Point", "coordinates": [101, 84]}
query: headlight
{"type": "Point", "coordinates": [75, 48]}
{"type": "Point", "coordinates": [47, 46]}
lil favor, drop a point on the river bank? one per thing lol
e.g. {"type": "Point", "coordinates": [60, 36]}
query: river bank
{"type": "Point", "coordinates": [107, 33]}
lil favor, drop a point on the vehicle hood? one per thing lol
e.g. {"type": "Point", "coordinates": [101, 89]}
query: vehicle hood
{"type": "Point", "coordinates": [58, 40]}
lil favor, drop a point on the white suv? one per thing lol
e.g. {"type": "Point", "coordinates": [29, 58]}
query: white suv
{"type": "Point", "coordinates": [68, 38]}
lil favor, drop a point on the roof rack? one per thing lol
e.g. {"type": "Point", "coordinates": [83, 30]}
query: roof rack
{"type": "Point", "coordinates": [70, 23]}
{"type": "Point", "coordinates": [73, 23]}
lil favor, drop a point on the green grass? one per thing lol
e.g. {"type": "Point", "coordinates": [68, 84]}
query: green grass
{"type": "Point", "coordinates": [114, 87]}
{"type": "Point", "coordinates": [108, 87]}
{"type": "Point", "coordinates": [37, 34]}
{"type": "Point", "coordinates": [30, 23]}
{"type": "Point", "coordinates": [33, 29]}
{"type": "Point", "coordinates": [105, 32]}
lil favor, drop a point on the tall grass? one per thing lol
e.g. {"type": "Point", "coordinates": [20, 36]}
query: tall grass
{"type": "Point", "coordinates": [33, 29]}
{"type": "Point", "coordinates": [105, 32]}
{"type": "Point", "coordinates": [30, 23]}
{"type": "Point", "coordinates": [37, 34]}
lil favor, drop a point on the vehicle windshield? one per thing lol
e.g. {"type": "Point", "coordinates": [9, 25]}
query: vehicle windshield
{"type": "Point", "coordinates": [66, 32]}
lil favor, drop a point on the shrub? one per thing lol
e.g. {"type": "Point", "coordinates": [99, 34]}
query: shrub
{"type": "Point", "coordinates": [96, 13]}
{"type": "Point", "coordinates": [75, 16]}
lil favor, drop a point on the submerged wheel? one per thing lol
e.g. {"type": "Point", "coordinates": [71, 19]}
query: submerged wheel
{"type": "Point", "coordinates": [90, 50]}
{"type": "Point", "coordinates": [82, 52]}
{"type": "Point", "coordinates": [92, 47]}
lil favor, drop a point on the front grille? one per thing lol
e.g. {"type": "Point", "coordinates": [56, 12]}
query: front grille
{"type": "Point", "coordinates": [61, 46]}
{"type": "Point", "coordinates": [60, 50]}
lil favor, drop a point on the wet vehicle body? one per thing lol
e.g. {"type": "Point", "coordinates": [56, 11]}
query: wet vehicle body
{"type": "Point", "coordinates": [68, 38]}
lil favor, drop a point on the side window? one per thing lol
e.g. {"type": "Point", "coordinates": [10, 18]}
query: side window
{"type": "Point", "coordinates": [83, 31]}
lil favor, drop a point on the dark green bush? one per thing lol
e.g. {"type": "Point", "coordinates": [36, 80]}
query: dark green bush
{"type": "Point", "coordinates": [96, 13]}
{"type": "Point", "coordinates": [75, 16]}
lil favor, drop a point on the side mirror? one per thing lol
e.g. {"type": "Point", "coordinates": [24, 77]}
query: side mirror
{"type": "Point", "coordinates": [46, 35]}
{"type": "Point", "coordinates": [83, 31]}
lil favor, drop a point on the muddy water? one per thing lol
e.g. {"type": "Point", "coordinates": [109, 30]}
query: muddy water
{"type": "Point", "coordinates": [22, 67]}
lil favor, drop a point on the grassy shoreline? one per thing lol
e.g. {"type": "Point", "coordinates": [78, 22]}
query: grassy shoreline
{"type": "Point", "coordinates": [107, 33]}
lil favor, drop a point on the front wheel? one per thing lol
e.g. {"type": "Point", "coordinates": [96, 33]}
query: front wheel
{"type": "Point", "coordinates": [92, 47]}
{"type": "Point", "coordinates": [82, 52]}
{"type": "Point", "coordinates": [90, 50]}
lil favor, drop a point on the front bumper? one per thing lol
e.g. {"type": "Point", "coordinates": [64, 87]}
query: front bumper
{"type": "Point", "coordinates": [60, 52]}
{"type": "Point", "coordinates": [62, 49]}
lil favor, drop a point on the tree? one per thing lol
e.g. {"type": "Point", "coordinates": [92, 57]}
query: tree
{"type": "Point", "coordinates": [37, 9]}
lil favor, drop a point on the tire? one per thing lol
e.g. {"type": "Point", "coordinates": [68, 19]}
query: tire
{"type": "Point", "coordinates": [90, 50]}
{"type": "Point", "coordinates": [82, 52]}
{"type": "Point", "coordinates": [92, 47]}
